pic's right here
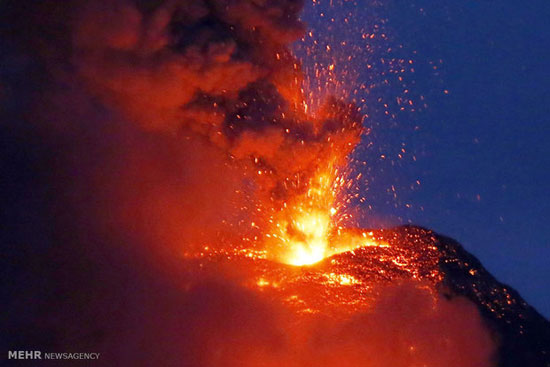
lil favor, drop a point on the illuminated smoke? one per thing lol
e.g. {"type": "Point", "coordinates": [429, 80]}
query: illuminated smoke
{"type": "Point", "coordinates": [216, 76]}
{"type": "Point", "coordinates": [218, 71]}
{"type": "Point", "coordinates": [168, 126]}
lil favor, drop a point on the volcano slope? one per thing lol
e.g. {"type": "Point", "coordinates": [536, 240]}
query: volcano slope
{"type": "Point", "coordinates": [416, 298]}
{"type": "Point", "coordinates": [350, 282]}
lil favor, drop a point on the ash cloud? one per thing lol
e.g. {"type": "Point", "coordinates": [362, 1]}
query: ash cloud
{"type": "Point", "coordinates": [168, 105]}
{"type": "Point", "coordinates": [127, 129]}
{"type": "Point", "coordinates": [219, 71]}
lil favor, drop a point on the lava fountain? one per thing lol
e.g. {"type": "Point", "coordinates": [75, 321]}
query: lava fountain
{"type": "Point", "coordinates": [306, 230]}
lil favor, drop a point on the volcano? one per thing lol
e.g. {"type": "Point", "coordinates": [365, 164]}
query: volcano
{"type": "Point", "coordinates": [179, 192]}
{"type": "Point", "coordinates": [237, 308]}
{"type": "Point", "coordinates": [350, 282]}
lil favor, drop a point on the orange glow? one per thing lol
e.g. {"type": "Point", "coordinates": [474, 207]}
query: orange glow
{"type": "Point", "coordinates": [301, 230]}
{"type": "Point", "coordinates": [354, 267]}
{"type": "Point", "coordinates": [307, 230]}
{"type": "Point", "coordinates": [311, 245]}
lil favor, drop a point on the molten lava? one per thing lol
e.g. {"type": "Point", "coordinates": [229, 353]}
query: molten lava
{"type": "Point", "coordinates": [309, 228]}
{"type": "Point", "coordinates": [310, 242]}
{"type": "Point", "coordinates": [353, 270]}
{"type": "Point", "coordinates": [302, 231]}
{"type": "Point", "coordinates": [302, 228]}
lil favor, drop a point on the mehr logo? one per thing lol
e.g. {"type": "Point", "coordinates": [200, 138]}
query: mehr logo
{"type": "Point", "coordinates": [35, 354]}
{"type": "Point", "coordinates": [24, 354]}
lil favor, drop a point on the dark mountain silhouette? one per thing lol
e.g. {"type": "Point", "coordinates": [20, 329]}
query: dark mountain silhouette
{"type": "Point", "coordinates": [524, 334]}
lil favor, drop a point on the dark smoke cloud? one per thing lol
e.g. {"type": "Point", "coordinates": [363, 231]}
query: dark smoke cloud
{"type": "Point", "coordinates": [211, 85]}
{"type": "Point", "coordinates": [217, 70]}
{"type": "Point", "coordinates": [127, 129]}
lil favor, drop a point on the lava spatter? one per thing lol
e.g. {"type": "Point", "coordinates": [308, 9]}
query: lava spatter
{"type": "Point", "coordinates": [344, 283]}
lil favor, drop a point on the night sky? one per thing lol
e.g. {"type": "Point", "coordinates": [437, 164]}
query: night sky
{"type": "Point", "coordinates": [481, 145]}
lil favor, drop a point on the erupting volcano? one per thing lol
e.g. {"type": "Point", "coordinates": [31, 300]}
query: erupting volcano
{"type": "Point", "coordinates": [198, 205]}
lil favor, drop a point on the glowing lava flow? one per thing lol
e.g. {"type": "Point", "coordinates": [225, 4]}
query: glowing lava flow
{"type": "Point", "coordinates": [339, 285]}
